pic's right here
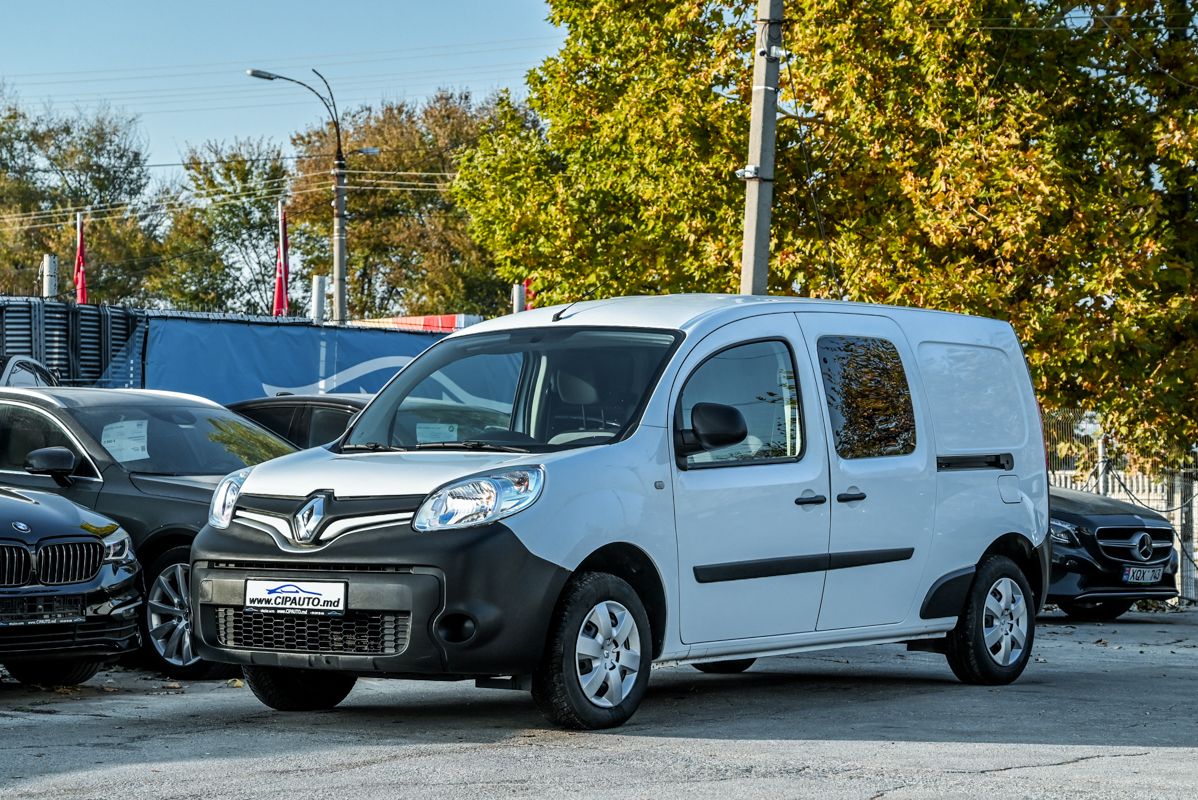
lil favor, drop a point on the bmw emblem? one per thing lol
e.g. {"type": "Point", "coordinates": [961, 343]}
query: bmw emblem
{"type": "Point", "coordinates": [20, 527]}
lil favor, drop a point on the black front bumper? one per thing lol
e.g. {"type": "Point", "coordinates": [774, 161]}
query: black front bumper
{"type": "Point", "coordinates": [1078, 574]}
{"type": "Point", "coordinates": [97, 619]}
{"type": "Point", "coordinates": [449, 604]}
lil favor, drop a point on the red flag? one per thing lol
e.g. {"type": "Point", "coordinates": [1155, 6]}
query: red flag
{"type": "Point", "coordinates": [282, 271]}
{"type": "Point", "coordinates": [80, 261]}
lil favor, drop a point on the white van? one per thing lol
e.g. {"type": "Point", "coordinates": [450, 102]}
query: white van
{"type": "Point", "coordinates": [682, 479]}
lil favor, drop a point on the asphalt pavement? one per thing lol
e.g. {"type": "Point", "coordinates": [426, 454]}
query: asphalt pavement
{"type": "Point", "coordinates": [1106, 710]}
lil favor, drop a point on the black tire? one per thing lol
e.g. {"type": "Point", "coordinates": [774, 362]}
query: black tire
{"type": "Point", "coordinates": [1096, 610]}
{"type": "Point", "coordinates": [731, 667]}
{"type": "Point", "coordinates": [556, 683]}
{"type": "Point", "coordinates": [970, 659]}
{"type": "Point", "coordinates": [70, 672]}
{"type": "Point", "coordinates": [298, 689]}
{"type": "Point", "coordinates": [150, 657]}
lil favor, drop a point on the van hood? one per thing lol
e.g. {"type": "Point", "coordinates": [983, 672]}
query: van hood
{"type": "Point", "coordinates": [369, 474]}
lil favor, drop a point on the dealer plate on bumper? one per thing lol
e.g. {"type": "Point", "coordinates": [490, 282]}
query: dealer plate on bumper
{"type": "Point", "coordinates": [283, 596]}
{"type": "Point", "coordinates": [1143, 574]}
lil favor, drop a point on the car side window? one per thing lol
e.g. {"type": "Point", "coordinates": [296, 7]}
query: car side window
{"type": "Point", "coordinates": [276, 418]}
{"type": "Point", "coordinates": [758, 379]}
{"type": "Point", "coordinates": [326, 424]}
{"type": "Point", "coordinates": [23, 430]}
{"type": "Point", "coordinates": [869, 400]}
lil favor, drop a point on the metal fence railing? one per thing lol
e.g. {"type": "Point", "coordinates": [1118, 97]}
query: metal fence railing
{"type": "Point", "coordinates": [1079, 458]}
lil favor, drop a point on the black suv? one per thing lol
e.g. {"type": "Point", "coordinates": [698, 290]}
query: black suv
{"type": "Point", "coordinates": [69, 589]}
{"type": "Point", "coordinates": [1107, 554]}
{"type": "Point", "coordinates": [149, 460]}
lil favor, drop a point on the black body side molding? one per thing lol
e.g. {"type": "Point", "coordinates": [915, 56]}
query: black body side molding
{"type": "Point", "coordinates": [1003, 461]}
{"type": "Point", "coordinates": [947, 596]}
{"type": "Point", "coordinates": [794, 565]}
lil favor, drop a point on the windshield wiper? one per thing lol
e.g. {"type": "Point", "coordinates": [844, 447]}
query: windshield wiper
{"type": "Point", "coordinates": [471, 444]}
{"type": "Point", "coordinates": [373, 447]}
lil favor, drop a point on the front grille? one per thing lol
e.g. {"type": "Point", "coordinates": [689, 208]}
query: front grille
{"type": "Point", "coordinates": [1120, 543]}
{"type": "Point", "coordinates": [306, 566]}
{"type": "Point", "coordinates": [68, 562]}
{"type": "Point", "coordinates": [106, 634]}
{"type": "Point", "coordinates": [356, 633]}
{"type": "Point", "coordinates": [32, 608]}
{"type": "Point", "coordinates": [14, 565]}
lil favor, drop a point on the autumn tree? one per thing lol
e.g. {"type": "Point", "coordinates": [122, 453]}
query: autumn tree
{"type": "Point", "coordinates": [53, 164]}
{"type": "Point", "coordinates": [409, 247]}
{"type": "Point", "coordinates": [1032, 161]}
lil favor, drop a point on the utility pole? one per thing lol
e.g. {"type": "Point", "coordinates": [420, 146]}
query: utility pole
{"type": "Point", "coordinates": [519, 298]}
{"type": "Point", "coordinates": [758, 173]}
{"type": "Point", "coordinates": [339, 288]}
{"type": "Point", "coordinates": [50, 276]}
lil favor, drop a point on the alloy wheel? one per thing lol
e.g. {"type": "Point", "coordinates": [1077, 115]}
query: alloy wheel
{"type": "Point", "coordinates": [608, 654]}
{"type": "Point", "coordinates": [169, 610]}
{"type": "Point", "coordinates": [1005, 622]}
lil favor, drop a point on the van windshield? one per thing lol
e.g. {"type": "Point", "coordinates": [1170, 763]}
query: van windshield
{"type": "Point", "coordinates": [532, 390]}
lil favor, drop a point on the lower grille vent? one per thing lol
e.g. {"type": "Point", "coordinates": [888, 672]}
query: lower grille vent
{"type": "Point", "coordinates": [355, 633]}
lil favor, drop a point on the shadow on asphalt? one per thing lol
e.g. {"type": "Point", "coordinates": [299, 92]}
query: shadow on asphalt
{"type": "Point", "coordinates": [1083, 698]}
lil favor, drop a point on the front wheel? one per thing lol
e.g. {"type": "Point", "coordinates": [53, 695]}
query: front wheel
{"type": "Point", "coordinates": [1096, 610]}
{"type": "Point", "coordinates": [286, 689]}
{"type": "Point", "coordinates": [993, 638]}
{"type": "Point", "coordinates": [595, 668]}
{"type": "Point", "coordinates": [53, 673]}
{"type": "Point", "coordinates": [166, 618]}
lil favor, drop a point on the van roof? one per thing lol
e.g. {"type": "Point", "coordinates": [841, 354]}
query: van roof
{"type": "Point", "coordinates": [684, 312]}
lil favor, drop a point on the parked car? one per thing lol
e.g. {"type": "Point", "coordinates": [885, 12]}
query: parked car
{"type": "Point", "coordinates": [148, 460]}
{"type": "Point", "coordinates": [70, 589]}
{"type": "Point", "coordinates": [1107, 554]}
{"type": "Point", "coordinates": [702, 479]}
{"type": "Point", "coordinates": [304, 420]}
{"type": "Point", "coordinates": [24, 371]}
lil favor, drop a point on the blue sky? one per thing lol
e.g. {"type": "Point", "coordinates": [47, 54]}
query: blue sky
{"type": "Point", "coordinates": [180, 67]}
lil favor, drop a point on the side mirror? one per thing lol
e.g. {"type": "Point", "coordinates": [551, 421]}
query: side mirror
{"type": "Point", "coordinates": [713, 425]}
{"type": "Point", "coordinates": [57, 462]}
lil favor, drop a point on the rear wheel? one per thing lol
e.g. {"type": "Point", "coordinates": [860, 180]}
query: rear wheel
{"type": "Point", "coordinates": [595, 669]}
{"type": "Point", "coordinates": [1096, 610]}
{"type": "Point", "coordinates": [53, 673]}
{"type": "Point", "coordinates": [993, 638]}
{"type": "Point", "coordinates": [730, 667]}
{"type": "Point", "coordinates": [298, 689]}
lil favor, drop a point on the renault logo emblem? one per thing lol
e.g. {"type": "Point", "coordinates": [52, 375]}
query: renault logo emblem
{"type": "Point", "coordinates": [1143, 546]}
{"type": "Point", "coordinates": [20, 527]}
{"type": "Point", "coordinates": [307, 521]}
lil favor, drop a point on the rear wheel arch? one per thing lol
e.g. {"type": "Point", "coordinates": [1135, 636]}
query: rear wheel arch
{"type": "Point", "coordinates": [1019, 548]}
{"type": "Point", "coordinates": [632, 564]}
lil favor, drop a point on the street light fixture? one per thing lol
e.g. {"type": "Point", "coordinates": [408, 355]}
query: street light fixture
{"type": "Point", "coordinates": [339, 255]}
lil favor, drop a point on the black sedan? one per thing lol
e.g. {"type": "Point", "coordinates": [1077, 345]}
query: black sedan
{"type": "Point", "coordinates": [150, 461]}
{"type": "Point", "coordinates": [304, 420]}
{"type": "Point", "coordinates": [69, 589]}
{"type": "Point", "coordinates": [1107, 554]}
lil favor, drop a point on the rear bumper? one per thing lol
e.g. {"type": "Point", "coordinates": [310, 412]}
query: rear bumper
{"type": "Point", "coordinates": [1077, 575]}
{"type": "Point", "coordinates": [452, 604]}
{"type": "Point", "coordinates": [93, 620]}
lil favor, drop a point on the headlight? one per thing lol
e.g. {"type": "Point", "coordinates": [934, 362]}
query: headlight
{"type": "Point", "coordinates": [224, 499]}
{"type": "Point", "coordinates": [118, 548]}
{"type": "Point", "coordinates": [1062, 532]}
{"type": "Point", "coordinates": [478, 501]}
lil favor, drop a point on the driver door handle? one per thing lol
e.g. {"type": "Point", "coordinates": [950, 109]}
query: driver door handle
{"type": "Point", "coordinates": [849, 497]}
{"type": "Point", "coordinates": [811, 500]}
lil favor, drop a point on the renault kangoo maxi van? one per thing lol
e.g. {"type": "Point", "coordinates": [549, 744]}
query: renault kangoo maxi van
{"type": "Point", "coordinates": [617, 483]}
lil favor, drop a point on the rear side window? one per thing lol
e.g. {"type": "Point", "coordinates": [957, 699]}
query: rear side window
{"type": "Point", "coordinates": [869, 400]}
{"type": "Point", "coordinates": [757, 378]}
{"type": "Point", "coordinates": [974, 395]}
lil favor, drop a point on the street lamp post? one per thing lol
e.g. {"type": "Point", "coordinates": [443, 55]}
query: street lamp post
{"type": "Point", "coordinates": [339, 254]}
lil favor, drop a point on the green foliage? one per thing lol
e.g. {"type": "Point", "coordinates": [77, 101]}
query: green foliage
{"type": "Point", "coordinates": [1022, 160]}
{"type": "Point", "coordinates": [409, 247]}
